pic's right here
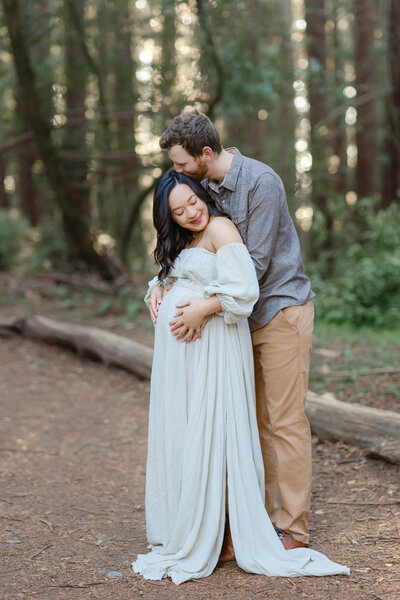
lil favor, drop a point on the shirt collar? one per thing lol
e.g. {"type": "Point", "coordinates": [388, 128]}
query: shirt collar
{"type": "Point", "coordinates": [231, 177]}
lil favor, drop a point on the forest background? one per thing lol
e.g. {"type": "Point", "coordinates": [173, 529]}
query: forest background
{"type": "Point", "coordinates": [310, 87]}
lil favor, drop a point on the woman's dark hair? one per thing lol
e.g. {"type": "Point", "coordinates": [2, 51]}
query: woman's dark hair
{"type": "Point", "coordinates": [171, 237]}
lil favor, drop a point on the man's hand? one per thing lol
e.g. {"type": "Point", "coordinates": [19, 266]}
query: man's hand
{"type": "Point", "coordinates": [156, 296]}
{"type": "Point", "coordinates": [190, 320]}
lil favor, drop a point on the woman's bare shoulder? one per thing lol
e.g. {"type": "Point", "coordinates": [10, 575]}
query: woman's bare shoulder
{"type": "Point", "coordinates": [221, 231]}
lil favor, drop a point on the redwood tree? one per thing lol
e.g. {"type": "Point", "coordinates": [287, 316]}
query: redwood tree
{"type": "Point", "coordinates": [338, 130]}
{"type": "Point", "coordinates": [287, 114]}
{"type": "Point", "coordinates": [391, 177]}
{"type": "Point", "coordinates": [366, 170]}
{"type": "Point", "coordinates": [125, 99]}
{"type": "Point", "coordinates": [74, 138]}
{"type": "Point", "coordinates": [317, 87]}
{"type": "Point", "coordinates": [31, 203]}
{"type": "Point", "coordinates": [75, 221]}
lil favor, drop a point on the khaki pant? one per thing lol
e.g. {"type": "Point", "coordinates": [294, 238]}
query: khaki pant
{"type": "Point", "coordinates": [281, 360]}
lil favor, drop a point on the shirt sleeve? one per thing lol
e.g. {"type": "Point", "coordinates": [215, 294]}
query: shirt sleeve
{"type": "Point", "coordinates": [265, 205]}
{"type": "Point", "coordinates": [236, 284]}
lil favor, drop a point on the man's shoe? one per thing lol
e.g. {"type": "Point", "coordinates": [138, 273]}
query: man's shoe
{"type": "Point", "coordinates": [288, 541]}
{"type": "Point", "coordinates": [227, 550]}
{"type": "Point", "coordinates": [227, 554]}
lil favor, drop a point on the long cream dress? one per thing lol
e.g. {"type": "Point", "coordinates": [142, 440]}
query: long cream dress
{"type": "Point", "coordinates": [202, 428]}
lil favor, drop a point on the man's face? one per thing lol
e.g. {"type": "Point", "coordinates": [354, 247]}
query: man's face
{"type": "Point", "coordinates": [187, 164]}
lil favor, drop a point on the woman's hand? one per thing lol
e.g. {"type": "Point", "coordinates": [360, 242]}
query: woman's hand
{"type": "Point", "coordinates": [192, 316]}
{"type": "Point", "coordinates": [156, 296]}
{"type": "Point", "coordinates": [189, 321]}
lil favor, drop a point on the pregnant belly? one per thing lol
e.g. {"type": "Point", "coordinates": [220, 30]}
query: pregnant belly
{"type": "Point", "coordinates": [176, 294]}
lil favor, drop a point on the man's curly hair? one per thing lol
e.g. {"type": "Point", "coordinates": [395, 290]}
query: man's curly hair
{"type": "Point", "coordinates": [193, 131]}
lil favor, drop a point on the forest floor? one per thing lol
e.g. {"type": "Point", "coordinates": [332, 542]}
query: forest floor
{"type": "Point", "coordinates": [72, 466]}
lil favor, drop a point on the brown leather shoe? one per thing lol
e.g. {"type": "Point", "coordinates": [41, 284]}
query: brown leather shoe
{"type": "Point", "coordinates": [288, 541]}
{"type": "Point", "coordinates": [227, 550]}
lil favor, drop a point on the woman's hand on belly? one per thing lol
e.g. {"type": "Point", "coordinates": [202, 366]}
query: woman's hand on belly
{"type": "Point", "coordinates": [192, 316]}
{"type": "Point", "coordinates": [156, 296]}
{"type": "Point", "coordinates": [190, 319]}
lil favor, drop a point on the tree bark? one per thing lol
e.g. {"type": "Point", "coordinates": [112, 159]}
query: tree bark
{"type": "Point", "coordinates": [366, 169]}
{"type": "Point", "coordinates": [315, 16]}
{"type": "Point", "coordinates": [338, 131]}
{"type": "Point", "coordinates": [391, 176]}
{"type": "Point", "coordinates": [287, 116]}
{"type": "Point", "coordinates": [125, 99]}
{"type": "Point", "coordinates": [76, 225]}
{"type": "Point", "coordinates": [317, 87]}
{"type": "Point", "coordinates": [99, 68]}
{"type": "Point", "coordinates": [31, 205]}
{"type": "Point", "coordinates": [74, 138]}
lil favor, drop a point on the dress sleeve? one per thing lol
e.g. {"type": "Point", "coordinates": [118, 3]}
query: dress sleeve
{"type": "Point", "coordinates": [236, 284]}
{"type": "Point", "coordinates": [153, 283]}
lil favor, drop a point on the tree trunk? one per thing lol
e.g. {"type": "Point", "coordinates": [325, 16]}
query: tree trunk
{"type": "Point", "coordinates": [74, 138]}
{"type": "Point", "coordinates": [76, 225]}
{"type": "Point", "coordinates": [317, 87]}
{"type": "Point", "coordinates": [26, 156]}
{"type": "Point", "coordinates": [391, 177]}
{"type": "Point", "coordinates": [366, 123]}
{"type": "Point", "coordinates": [338, 130]}
{"type": "Point", "coordinates": [125, 99]}
{"type": "Point", "coordinates": [287, 115]}
{"type": "Point", "coordinates": [4, 200]}
{"type": "Point", "coordinates": [371, 428]}
{"type": "Point", "coordinates": [98, 67]}
{"type": "Point", "coordinates": [101, 66]}
{"type": "Point", "coordinates": [315, 16]}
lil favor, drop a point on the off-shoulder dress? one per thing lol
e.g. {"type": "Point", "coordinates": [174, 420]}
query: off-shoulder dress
{"type": "Point", "coordinates": [203, 434]}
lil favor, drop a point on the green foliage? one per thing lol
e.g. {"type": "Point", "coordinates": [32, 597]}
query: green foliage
{"type": "Point", "coordinates": [364, 288]}
{"type": "Point", "coordinates": [13, 228]}
{"type": "Point", "coordinates": [104, 307]}
{"type": "Point", "coordinates": [132, 309]}
{"type": "Point", "coordinates": [109, 106]}
{"type": "Point", "coordinates": [48, 249]}
{"type": "Point", "coordinates": [354, 351]}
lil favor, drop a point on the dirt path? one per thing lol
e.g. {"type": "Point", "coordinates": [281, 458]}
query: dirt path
{"type": "Point", "coordinates": [72, 452]}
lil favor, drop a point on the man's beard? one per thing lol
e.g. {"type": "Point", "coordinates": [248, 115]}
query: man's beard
{"type": "Point", "coordinates": [201, 171]}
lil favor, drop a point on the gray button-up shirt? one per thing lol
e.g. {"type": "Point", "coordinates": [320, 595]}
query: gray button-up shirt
{"type": "Point", "coordinates": [254, 196]}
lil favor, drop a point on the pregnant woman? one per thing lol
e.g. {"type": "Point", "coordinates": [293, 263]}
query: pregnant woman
{"type": "Point", "coordinates": [203, 438]}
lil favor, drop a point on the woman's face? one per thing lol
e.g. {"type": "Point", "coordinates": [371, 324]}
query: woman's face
{"type": "Point", "coordinates": [187, 209]}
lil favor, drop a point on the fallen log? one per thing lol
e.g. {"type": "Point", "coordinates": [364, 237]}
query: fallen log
{"type": "Point", "coordinates": [367, 372]}
{"type": "Point", "coordinates": [110, 348]}
{"type": "Point", "coordinates": [372, 428]}
{"type": "Point", "coordinates": [94, 284]}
